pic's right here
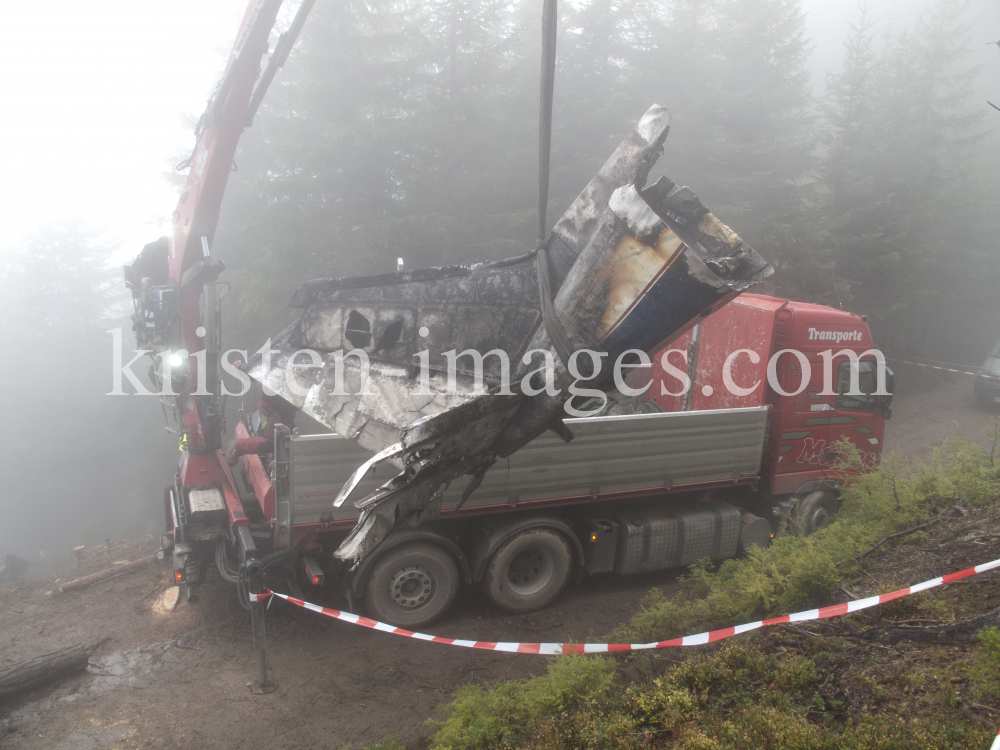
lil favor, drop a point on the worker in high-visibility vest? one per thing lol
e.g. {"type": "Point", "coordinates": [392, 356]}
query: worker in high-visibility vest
{"type": "Point", "coordinates": [273, 410]}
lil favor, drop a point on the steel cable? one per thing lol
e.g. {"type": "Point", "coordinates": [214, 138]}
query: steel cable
{"type": "Point", "coordinates": [550, 319]}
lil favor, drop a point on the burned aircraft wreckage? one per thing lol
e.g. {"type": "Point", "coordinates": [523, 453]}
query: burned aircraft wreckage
{"type": "Point", "coordinates": [629, 267]}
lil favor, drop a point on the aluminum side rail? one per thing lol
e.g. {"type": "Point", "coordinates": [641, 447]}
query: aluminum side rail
{"type": "Point", "coordinates": [616, 456]}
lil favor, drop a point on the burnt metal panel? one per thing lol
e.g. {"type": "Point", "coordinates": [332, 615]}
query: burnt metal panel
{"type": "Point", "coordinates": [631, 267]}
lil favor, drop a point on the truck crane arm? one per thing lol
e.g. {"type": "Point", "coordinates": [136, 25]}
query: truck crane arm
{"type": "Point", "coordinates": [193, 271]}
{"type": "Point", "coordinates": [187, 298]}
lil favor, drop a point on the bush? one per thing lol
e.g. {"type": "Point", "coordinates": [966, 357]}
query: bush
{"type": "Point", "coordinates": [742, 696]}
{"type": "Point", "coordinates": [388, 743]}
{"type": "Point", "coordinates": [493, 716]}
{"type": "Point", "coordinates": [985, 669]}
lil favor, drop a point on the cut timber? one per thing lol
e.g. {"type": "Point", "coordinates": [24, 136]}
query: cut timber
{"type": "Point", "coordinates": [170, 598]}
{"type": "Point", "coordinates": [93, 578]}
{"type": "Point", "coordinates": [41, 670]}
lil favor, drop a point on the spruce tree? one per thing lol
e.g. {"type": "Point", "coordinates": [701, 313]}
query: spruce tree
{"type": "Point", "coordinates": [905, 197]}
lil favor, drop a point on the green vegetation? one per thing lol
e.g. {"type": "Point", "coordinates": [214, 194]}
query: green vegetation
{"type": "Point", "coordinates": [389, 743]}
{"type": "Point", "coordinates": [483, 718]}
{"type": "Point", "coordinates": [766, 690]}
{"type": "Point", "coordinates": [985, 670]}
{"type": "Point", "coordinates": [742, 695]}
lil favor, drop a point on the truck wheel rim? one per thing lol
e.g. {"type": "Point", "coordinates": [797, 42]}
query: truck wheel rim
{"type": "Point", "coordinates": [530, 571]}
{"type": "Point", "coordinates": [819, 518]}
{"type": "Point", "coordinates": [410, 587]}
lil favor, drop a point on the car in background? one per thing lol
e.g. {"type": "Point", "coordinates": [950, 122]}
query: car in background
{"type": "Point", "coordinates": [987, 391]}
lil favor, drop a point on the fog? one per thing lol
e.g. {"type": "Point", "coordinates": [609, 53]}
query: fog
{"type": "Point", "coordinates": [408, 129]}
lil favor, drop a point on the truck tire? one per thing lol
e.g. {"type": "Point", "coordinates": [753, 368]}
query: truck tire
{"type": "Point", "coordinates": [411, 585]}
{"type": "Point", "coordinates": [528, 571]}
{"type": "Point", "coordinates": [815, 511]}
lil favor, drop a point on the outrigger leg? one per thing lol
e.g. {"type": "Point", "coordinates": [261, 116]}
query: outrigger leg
{"type": "Point", "coordinates": [253, 574]}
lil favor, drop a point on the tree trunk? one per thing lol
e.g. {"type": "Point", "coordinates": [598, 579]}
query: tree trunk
{"type": "Point", "coordinates": [80, 583]}
{"type": "Point", "coordinates": [41, 670]}
{"type": "Point", "coordinates": [965, 631]}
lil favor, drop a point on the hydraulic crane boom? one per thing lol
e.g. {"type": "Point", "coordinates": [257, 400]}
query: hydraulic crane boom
{"type": "Point", "coordinates": [175, 287]}
{"type": "Point", "coordinates": [192, 270]}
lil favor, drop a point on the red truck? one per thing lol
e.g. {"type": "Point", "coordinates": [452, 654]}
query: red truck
{"type": "Point", "coordinates": [707, 474]}
{"type": "Point", "coordinates": [723, 466]}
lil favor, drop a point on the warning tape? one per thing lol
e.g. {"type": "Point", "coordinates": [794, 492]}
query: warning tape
{"type": "Point", "coordinates": [946, 369]}
{"type": "Point", "coordinates": [996, 743]}
{"type": "Point", "coordinates": [551, 649]}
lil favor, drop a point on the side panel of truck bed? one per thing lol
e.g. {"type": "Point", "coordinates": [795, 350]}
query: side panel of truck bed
{"type": "Point", "coordinates": [621, 453]}
{"type": "Point", "coordinates": [607, 455]}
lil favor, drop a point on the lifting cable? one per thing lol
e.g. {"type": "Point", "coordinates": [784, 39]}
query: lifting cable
{"type": "Point", "coordinates": [550, 319]}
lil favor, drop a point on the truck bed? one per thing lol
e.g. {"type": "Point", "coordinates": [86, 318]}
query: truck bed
{"type": "Point", "coordinates": [610, 457]}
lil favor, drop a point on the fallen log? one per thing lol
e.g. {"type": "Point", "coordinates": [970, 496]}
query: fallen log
{"type": "Point", "coordinates": [114, 570]}
{"type": "Point", "coordinates": [885, 539]}
{"type": "Point", "coordinates": [964, 631]}
{"type": "Point", "coordinates": [42, 670]}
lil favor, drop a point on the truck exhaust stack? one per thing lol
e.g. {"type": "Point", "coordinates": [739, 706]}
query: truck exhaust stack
{"type": "Point", "coordinates": [629, 266]}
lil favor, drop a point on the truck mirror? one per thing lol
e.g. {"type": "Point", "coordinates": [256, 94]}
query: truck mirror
{"type": "Point", "coordinates": [890, 386]}
{"type": "Point", "coordinates": [885, 402]}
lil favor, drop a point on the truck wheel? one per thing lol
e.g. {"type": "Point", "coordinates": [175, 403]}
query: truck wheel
{"type": "Point", "coordinates": [411, 585]}
{"type": "Point", "coordinates": [815, 511]}
{"type": "Point", "coordinates": [528, 571]}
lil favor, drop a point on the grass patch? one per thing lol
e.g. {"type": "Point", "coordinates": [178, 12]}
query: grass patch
{"type": "Point", "coordinates": [495, 716]}
{"type": "Point", "coordinates": [985, 669]}
{"type": "Point", "coordinates": [740, 696]}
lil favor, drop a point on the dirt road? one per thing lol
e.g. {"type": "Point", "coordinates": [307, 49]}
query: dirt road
{"type": "Point", "coordinates": [180, 679]}
{"type": "Point", "coordinates": [920, 421]}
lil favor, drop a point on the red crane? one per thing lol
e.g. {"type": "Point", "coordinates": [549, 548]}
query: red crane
{"type": "Point", "coordinates": [187, 347]}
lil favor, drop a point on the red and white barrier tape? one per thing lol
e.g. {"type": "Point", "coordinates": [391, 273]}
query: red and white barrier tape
{"type": "Point", "coordinates": [550, 649]}
{"type": "Point", "coordinates": [946, 369]}
{"type": "Point", "coordinates": [996, 743]}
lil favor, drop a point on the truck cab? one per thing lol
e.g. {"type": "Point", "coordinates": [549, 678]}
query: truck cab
{"type": "Point", "coordinates": [796, 358]}
{"type": "Point", "coordinates": [820, 410]}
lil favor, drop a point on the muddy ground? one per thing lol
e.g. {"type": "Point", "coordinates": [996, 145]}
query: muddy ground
{"type": "Point", "coordinates": [181, 678]}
